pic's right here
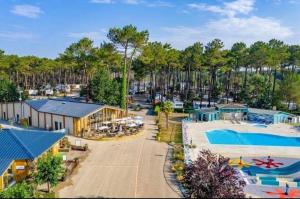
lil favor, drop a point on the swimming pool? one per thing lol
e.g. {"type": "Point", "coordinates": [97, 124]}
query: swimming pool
{"type": "Point", "coordinates": [230, 137]}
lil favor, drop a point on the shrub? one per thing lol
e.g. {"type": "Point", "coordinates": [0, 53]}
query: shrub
{"type": "Point", "coordinates": [19, 190]}
{"type": "Point", "coordinates": [211, 176]}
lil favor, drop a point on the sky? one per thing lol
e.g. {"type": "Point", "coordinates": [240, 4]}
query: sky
{"type": "Point", "coordinates": [46, 27]}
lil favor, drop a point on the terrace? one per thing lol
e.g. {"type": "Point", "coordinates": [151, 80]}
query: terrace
{"type": "Point", "coordinates": [114, 127]}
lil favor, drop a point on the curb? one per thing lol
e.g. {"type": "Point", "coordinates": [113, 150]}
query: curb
{"type": "Point", "coordinates": [178, 187]}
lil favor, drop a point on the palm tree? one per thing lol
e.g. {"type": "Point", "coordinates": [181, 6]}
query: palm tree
{"type": "Point", "coordinates": [167, 108]}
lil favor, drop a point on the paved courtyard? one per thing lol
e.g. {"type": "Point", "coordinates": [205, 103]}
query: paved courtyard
{"type": "Point", "coordinates": [130, 168]}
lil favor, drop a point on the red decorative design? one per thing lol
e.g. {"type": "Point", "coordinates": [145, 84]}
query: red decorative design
{"type": "Point", "coordinates": [269, 163]}
{"type": "Point", "coordinates": [293, 193]}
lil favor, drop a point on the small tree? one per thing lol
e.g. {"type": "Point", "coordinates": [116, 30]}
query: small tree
{"type": "Point", "coordinates": [49, 169]}
{"type": "Point", "coordinates": [157, 111]}
{"type": "Point", "coordinates": [167, 108]}
{"type": "Point", "coordinates": [105, 89]}
{"type": "Point", "coordinates": [20, 190]}
{"type": "Point", "coordinates": [8, 92]}
{"type": "Point", "coordinates": [210, 176]}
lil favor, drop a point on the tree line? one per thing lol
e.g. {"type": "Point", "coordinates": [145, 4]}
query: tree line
{"type": "Point", "coordinates": [264, 74]}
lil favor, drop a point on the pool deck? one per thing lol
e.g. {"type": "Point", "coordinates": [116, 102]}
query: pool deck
{"type": "Point", "coordinates": [196, 133]}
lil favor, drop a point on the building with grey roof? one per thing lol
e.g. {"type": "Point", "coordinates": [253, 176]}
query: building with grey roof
{"type": "Point", "coordinates": [77, 118]}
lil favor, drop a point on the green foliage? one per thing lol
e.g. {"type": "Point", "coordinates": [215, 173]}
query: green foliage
{"type": "Point", "coordinates": [157, 109]}
{"type": "Point", "coordinates": [8, 92]}
{"type": "Point", "coordinates": [167, 107]}
{"type": "Point", "coordinates": [257, 92]}
{"type": "Point", "coordinates": [19, 190]}
{"type": "Point", "coordinates": [290, 87]}
{"type": "Point", "coordinates": [127, 38]}
{"type": "Point", "coordinates": [49, 170]}
{"type": "Point", "coordinates": [104, 89]}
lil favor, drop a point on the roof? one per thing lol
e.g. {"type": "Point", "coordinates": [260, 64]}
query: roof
{"type": "Point", "coordinates": [64, 107]}
{"type": "Point", "coordinates": [231, 106]}
{"type": "Point", "coordinates": [207, 110]}
{"type": "Point", "coordinates": [24, 145]}
{"type": "Point", "coordinates": [266, 111]}
{"type": "Point", "coordinates": [4, 164]}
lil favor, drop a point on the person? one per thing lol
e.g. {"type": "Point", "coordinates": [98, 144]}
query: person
{"type": "Point", "coordinates": [287, 189]}
{"type": "Point", "coordinates": [241, 160]}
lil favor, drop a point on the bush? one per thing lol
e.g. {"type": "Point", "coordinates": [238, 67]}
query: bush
{"type": "Point", "coordinates": [178, 166]}
{"type": "Point", "coordinates": [157, 109]}
{"type": "Point", "coordinates": [19, 190]}
{"type": "Point", "coordinates": [211, 176]}
{"type": "Point", "coordinates": [24, 123]}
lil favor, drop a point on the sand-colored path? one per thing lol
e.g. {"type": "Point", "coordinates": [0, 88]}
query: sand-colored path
{"type": "Point", "coordinates": [126, 168]}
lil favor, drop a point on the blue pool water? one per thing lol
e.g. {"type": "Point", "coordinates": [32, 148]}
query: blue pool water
{"type": "Point", "coordinates": [231, 137]}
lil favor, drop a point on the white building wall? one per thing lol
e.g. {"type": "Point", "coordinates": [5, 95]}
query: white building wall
{"type": "Point", "coordinates": [1, 111]}
{"type": "Point", "coordinates": [34, 118]}
{"type": "Point", "coordinates": [69, 125]}
{"type": "Point", "coordinates": [37, 119]}
{"type": "Point", "coordinates": [42, 120]}
{"type": "Point", "coordinates": [26, 110]}
{"type": "Point", "coordinates": [59, 119]}
{"type": "Point", "coordinates": [10, 112]}
{"type": "Point", "coordinates": [18, 110]}
{"type": "Point", "coordinates": [48, 121]}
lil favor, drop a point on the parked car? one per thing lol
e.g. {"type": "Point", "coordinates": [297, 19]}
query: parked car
{"type": "Point", "coordinates": [33, 92]}
{"type": "Point", "coordinates": [64, 88]}
{"type": "Point", "coordinates": [177, 104]}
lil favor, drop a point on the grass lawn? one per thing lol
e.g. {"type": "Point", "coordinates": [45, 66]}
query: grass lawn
{"type": "Point", "coordinates": [296, 124]}
{"type": "Point", "coordinates": [171, 135]}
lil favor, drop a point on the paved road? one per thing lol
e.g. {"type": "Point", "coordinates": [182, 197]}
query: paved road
{"type": "Point", "coordinates": [131, 168]}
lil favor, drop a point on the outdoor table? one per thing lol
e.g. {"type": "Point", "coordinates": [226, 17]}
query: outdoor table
{"type": "Point", "coordinates": [138, 117]}
{"type": "Point", "coordinates": [101, 128]}
{"type": "Point", "coordinates": [107, 122]}
{"type": "Point", "coordinates": [121, 122]}
{"type": "Point", "coordinates": [131, 125]}
{"type": "Point", "coordinates": [138, 122]}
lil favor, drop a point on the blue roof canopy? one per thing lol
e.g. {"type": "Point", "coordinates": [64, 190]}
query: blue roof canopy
{"type": "Point", "coordinates": [63, 107]}
{"type": "Point", "coordinates": [24, 145]}
{"type": "Point", "coordinates": [4, 164]}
